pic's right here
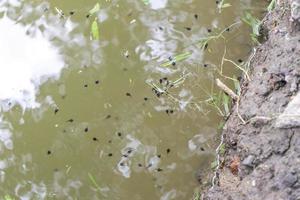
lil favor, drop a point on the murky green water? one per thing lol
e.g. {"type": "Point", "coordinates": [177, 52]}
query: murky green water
{"type": "Point", "coordinates": [79, 118]}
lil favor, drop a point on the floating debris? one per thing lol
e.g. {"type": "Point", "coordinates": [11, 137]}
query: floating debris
{"type": "Point", "coordinates": [95, 139]}
{"type": "Point", "coordinates": [195, 16]}
{"type": "Point", "coordinates": [97, 82]}
{"type": "Point", "coordinates": [145, 98]}
{"type": "Point", "coordinates": [159, 156]}
{"type": "Point", "coordinates": [240, 60]}
{"type": "Point", "coordinates": [86, 129]}
{"type": "Point", "coordinates": [188, 28]}
{"type": "Point", "coordinates": [119, 134]}
{"type": "Point", "coordinates": [85, 85]}
{"type": "Point", "coordinates": [140, 165]}
{"type": "Point", "coordinates": [202, 149]}
{"type": "Point", "coordinates": [110, 154]}
{"type": "Point", "coordinates": [49, 152]}
{"type": "Point", "coordinates": [72, 12]}
{"type": "Point", "coordinates": [56, 110]}
{"type": "Point", "coordinates": [108, 117]}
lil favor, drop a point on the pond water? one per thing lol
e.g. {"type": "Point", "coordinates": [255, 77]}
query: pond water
{"type": "Point", "coordinates": [119, 117]}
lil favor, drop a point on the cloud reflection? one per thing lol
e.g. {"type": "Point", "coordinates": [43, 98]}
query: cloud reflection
{"type": "Point", "coordinates": [25, 63]}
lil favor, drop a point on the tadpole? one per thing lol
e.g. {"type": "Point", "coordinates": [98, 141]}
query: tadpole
{"type": "Point", "coordinates": [159, 169]}
{"type": "Point", "coordinates": [70, 120]}
{"type": "Point", "coordinates": [168, 151]}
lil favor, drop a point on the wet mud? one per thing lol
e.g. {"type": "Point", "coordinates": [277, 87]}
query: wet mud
{"type": "Point", "coordinates": [262, 156]}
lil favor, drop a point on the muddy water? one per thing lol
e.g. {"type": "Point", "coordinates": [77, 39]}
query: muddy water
{"type": "Point", "coordinates": [79, 118]}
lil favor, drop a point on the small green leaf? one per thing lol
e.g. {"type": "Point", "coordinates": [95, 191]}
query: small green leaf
{"type": "Point", "coordinates": [95, 9]}
{"type": "Point", "coordinates": [226, 5]}
{"type": "Point", "coordinates": [254, 24]}
{"type": "Point", "coordinates": [222, 149]}
{"type": "Point", "coordinates": [237, 85]}
{"type": "Point", "coordinates": [226, 104]}
{"type": "Point", "coordinates": [8, 197]}
{"type": "Point", "coordinates": [214, 164]}
{"type": "Point", "coordinates": [146, 2]}
{"type": "Point", "coordinates": [95, 30]}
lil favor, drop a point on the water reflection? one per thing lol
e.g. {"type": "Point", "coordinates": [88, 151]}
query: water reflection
{"type": "Point", "coordinates": [78, 118]}
{"type": "Point", "coordinates": [27, 61]}
{"type": "Point", "coordinates": [158, 4]}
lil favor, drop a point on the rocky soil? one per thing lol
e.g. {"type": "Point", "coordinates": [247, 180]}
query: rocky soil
{"type": "Point", "coordinates": [262, 159]}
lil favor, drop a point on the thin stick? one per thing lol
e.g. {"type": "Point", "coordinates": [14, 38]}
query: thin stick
{"type": "Point", "coordinates": [226, 89]}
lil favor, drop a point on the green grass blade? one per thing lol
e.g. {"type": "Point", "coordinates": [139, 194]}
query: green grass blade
{"type": "Point", "coordinates": [177, 58]}
{"type": "Point", "coordinates": [92, 179]}
{"type": "Point", "coordinates": [95, 30]}
{"type": "Point", "coordinates": [271, 6]}
{"type": "Point", "coordinates": [95, 9]}
{"type": "Point", "coordinates": [146, 2]}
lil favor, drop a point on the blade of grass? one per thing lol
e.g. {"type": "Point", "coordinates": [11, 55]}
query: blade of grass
{"type": "Point", "coordinates": [95, 30]}
{"type": "Point", "coordinates": [271, 6]}
{"type": "Point", "coordinates": [92, 179]}
{"type": "Point", "coordinates": [95, 9]}
{"type": "Point", "coordinates": [177, 58]}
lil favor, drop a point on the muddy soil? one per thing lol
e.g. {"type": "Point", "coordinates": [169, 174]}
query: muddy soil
{"type": "Point", "coordinates": [262, 158]}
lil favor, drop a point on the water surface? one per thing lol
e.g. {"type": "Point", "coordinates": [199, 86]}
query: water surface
{"type": "Point", "coordinates": [79, 117]}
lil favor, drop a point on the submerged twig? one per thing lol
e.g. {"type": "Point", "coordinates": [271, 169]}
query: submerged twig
{"type": "Point", "coordinates": [226, 89]}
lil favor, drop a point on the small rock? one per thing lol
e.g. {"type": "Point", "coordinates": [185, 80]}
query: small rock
{"type": "Point", "coordinates": [295, 10]}
{"type": "Point", "coordinates": [290, 118]}
{"type": "Point", "coordinates": [289, 180]}
{"type": "Point", "coordinates": [248, 161]}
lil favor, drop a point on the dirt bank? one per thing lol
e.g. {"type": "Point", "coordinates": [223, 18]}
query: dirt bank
{"type": "Point", "coordinates": [262, 159]}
